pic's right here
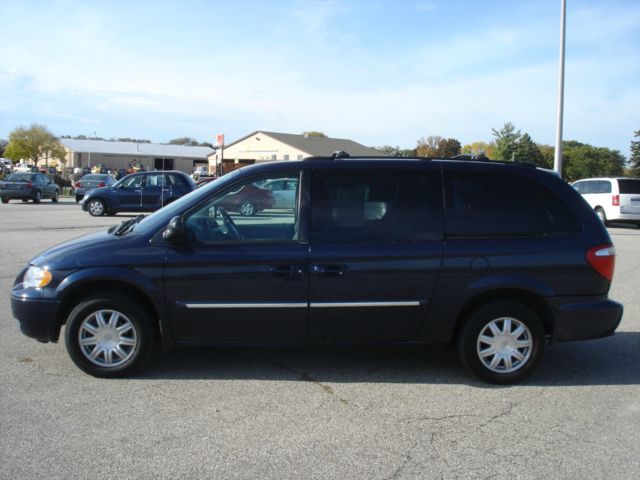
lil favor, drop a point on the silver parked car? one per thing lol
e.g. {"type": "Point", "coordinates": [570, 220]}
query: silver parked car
{"type": "Point", "coordinates": [92, 180]}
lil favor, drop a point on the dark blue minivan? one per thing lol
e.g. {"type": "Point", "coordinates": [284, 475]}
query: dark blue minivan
{"type": "Point", "coordinates": [498, 259]}
{"type": "Point", "coordinates": [138, 192]}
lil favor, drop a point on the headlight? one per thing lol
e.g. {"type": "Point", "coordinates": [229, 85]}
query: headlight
{"type": "Point", "coordinates": [36, 277]}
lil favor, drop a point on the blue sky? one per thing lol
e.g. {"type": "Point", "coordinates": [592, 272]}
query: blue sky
{"type": "Point", "coordinates": [378, 72]}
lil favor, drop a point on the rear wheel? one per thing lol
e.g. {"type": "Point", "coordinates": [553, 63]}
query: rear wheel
{"type": "Point", "coordinates": [96, 207]}
{"type": "Point", "coordinates": [601, 215]}
{"type": "Point", "coordinates": [4, 200]}
{"type": "Point", "coordinates": [501, 342]}
{"type": "Point", "coordinates": [37, 196]}
{"type": "Point", "coordinates": [54, 199]}
{"type": "Point", "coordinates": [78, 198]}
{"type": "Point", "coordinates": [109, 335]}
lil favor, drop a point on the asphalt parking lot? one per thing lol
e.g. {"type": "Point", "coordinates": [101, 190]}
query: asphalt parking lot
{"type": "Point", "coordinates": [297, 414]}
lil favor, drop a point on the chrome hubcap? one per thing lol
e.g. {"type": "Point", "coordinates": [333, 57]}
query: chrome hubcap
{"type": "Point", "coordinates": [96, 208]}
{"type": "Point", "coordinates": [246, 209]}
{"type": "Point", "coordinates": [504, 345]}
{"type": "Point", "coordinates": [107, 338]}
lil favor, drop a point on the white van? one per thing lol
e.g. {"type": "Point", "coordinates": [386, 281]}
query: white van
{"type": "Point", "coordinates": [613, 199]}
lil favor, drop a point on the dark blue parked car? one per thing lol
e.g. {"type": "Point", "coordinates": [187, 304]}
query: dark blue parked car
{"type": "Point", "coordinates": [138, 192]}
{"type": "Point", "coordinates": [28, 186]}
{"type": "Point", "coordinates": [498, 259]}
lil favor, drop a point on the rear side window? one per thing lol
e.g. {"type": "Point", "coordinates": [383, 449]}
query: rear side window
{"type": "Point", "coordinates": [375, 205]}
{"type": "Point", "coordinates": [629, 186]}
{"type": "Point", "coordinates": [497, 204]}
{"type": "Point", "coordinates": [596, 186]}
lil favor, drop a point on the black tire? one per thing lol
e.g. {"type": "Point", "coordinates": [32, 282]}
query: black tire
{"type": "Point", "coordinates": [78, 198]}
{"type": "Point", "coordinates": [96, 207]}
{"type": "Point", "coordinates": [25, 200]}
{"type": "Point", "coordinates": [54, 199]}
{"type": "Point", "coordinates": [602, 215]}
{"type": "Point", "coordinates": [4, 200]}
{"type": "Point", "coordinates": [123, 342]}
{"type": "Point", "coordinates": [520, 342]}
{"type": "Point", "coordinates": [247, 209]}
{"type": "Point", "coordinates": [37, 196]}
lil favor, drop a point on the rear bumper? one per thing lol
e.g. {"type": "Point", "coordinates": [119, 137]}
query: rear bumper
{"type": "Point", "coordinates": [584, 318]}
{"type": "Point", "coordinates": [16, 194]}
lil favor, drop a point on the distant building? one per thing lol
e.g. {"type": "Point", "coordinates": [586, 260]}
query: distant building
{"type": "Point", "coordinates": [264, 146]}
{"type": "Point", "coordinates": [117, 155]}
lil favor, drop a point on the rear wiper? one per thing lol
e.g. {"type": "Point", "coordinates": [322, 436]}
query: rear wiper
{"type": "Point", "coordinates": [126, 226]}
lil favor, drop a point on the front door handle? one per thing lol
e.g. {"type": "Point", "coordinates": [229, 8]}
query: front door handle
{"type": "Point", "coordinates": [285, 270]}
{"type": "Point", "coordinates": [330, 270]}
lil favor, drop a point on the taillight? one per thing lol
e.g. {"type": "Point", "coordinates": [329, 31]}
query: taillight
{"type": "Point", "coordinates": [77, 184]}
{"type": "Point", "coordinates": [101, 184]}
{"type": "Point", "coordinates": [615, 200]}
{"type": "Point", "coordinates": [602, 259]}
{"type": "Point", "coordinates": [29, 184]}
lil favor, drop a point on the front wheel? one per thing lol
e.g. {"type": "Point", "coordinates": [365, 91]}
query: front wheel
{"type": "Point", "coordinates": [96, 207]}
{"type": "Point", "coordinates": [109, 336]}
{"type": "Point", "coordinates": [501, 342]}
{"type": "Point", "coordinates": [247, 209]}
{"type": "Point", "coordinates": [5, 200]}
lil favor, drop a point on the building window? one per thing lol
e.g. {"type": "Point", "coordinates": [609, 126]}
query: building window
{"type": "Point", "coordinates": [299, 157]}
{"type": "Point", "coordinates": [273, 157]}
{"type": "Point", "coordinates": [286, 157]}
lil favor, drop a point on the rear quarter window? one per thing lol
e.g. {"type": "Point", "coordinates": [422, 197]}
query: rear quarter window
{"type": "Point", "coordinates": [629, 186]}
{"type": "Point", "coordinates": [501, 204]}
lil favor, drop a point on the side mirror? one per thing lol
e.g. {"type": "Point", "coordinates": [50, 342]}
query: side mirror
{"type": "Point", "coordinates": [175, 231]}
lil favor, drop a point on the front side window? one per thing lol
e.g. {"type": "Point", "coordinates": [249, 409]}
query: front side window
{"type": "Point", "coordinates": [246, 212]}
{"type": "Point", "coordinates": [135, 181]}
{"type": "Point", "coordinates": [375, 205]}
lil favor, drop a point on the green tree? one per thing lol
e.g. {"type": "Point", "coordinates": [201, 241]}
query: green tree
{"type": "Point", "coordinates": [314, 133]}
{"type": "Point", "coordinates": [390, 151]}
{"type": "Point", "coordinates": [506, 141]}
{"type": "Point", "coordinates": [184, 141]}
{"type": "Point", "coordinates": [528, 151]}
{"type": "Point", "coordinates": [583, 161]}
{"type": "Point", "coordinates": [634, 159]}
{"type": "Point", "coordinates": [480, 149]}
{"type": "Point", "coordinates": [34, 143]}
{"type": "Point", "coordinates": [548, 155]}
{"type": "Point", "coordinates": [449, 147]}
{"type": "Point", "coordinates": [428, 147]}
{"type": "Point", "coordinates": [3, 145]}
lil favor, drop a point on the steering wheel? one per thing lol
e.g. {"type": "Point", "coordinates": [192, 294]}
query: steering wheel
{"type": "Point", "coordinates": [226, 218]}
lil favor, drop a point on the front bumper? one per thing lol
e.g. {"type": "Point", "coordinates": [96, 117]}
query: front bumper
{"type": "Point", "coordinates": [37, 315]}
{"type": "Point", "coordinates": [584, 318]}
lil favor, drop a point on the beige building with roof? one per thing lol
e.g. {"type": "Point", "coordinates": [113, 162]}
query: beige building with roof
{"type": "Point", "coordinates": [262, 146]}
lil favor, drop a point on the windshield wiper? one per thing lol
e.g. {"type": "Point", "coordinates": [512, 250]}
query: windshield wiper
{"type": "Point", "coordinates": [126, 226]}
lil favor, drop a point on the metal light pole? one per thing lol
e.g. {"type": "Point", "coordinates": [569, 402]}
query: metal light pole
{"type": "Point", "coordinates": [557, 161]}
